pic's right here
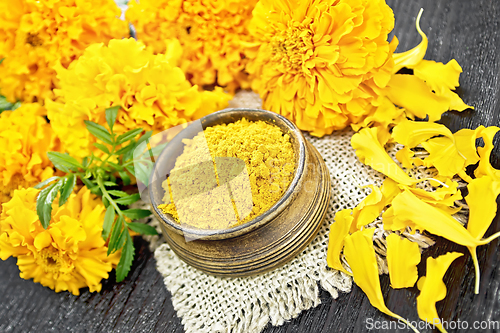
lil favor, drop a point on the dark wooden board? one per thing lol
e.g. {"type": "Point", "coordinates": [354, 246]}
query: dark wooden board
{"type": "Point", "coordinates": [468, 31]}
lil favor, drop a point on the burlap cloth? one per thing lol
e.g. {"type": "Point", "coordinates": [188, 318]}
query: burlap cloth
{"type": "Point", "coordinates": [212, 304]}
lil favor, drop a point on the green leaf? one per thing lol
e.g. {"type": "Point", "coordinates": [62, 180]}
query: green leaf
{"type": "Point", "coordinates": [136, 213]}
{"type": "Point", "coordinates": [5, 104]}
{"type": "Point", "coordinates": [102, 147]}
{"type": "Point", "coordinates": [88, 182]}
{"type": "Point", "coordinates": [99, 132]}
{"type": "Point", "coordinates": [125, 150]}
{"type": "Point", "coordinates": [119, 194]}
{"type": "Point", "coordinates": [115, 235]}
{"type": "Point", "coordinates": [143, 138]}
{"type": "Point", "coordinates": [16, 105]}
{"type": "Point", "coordinates": [143, 229]}
{"type": "Point", "coordinates": [45, 182]}
{"type": "Point", "coordinates": [109, 217]}
{"type": "Point", "coordinates": [63, 162]}
{"type": "Point", "coordinates": [155, 151]}
{"type": "Point", "coordinates": [67, 188]}
{"type": "Point", "coordinates": [88, 174]}
{"type": "Point", "coordinates": [105, 202]}
{"type": "Point", "coordinates": [125, 177]}
{"type": "Point", "coordinates": [1, 60]}
{"type": "Point", "coordinates": [128, 136]}
{"type": "Point", "coordinates": [44, 203]}
{"type": "Point", "coordinates": [126, 259]}
{"type": "Point", "coordinates": [109, 183]}
{"type": "Point", "coordinates": [142, 173]}
{"type": "Point", "coordinates": [111, 114]}
{"type": "Point", "coordinates": [128, 199]}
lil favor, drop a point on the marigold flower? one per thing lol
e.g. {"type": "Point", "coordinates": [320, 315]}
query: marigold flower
{"type": "Point", "coordinates": [153, 93]}
{"type": "Point", "coordinates": [25, 138]}
{"type": "Point", "coordinates": [211, 33]}
{"type": "Point", "coordinates": [35, 35]}
{"type": "Point", "coordinates": [70, 254]}
{"type": "Point", "coordinates": [321, 63]}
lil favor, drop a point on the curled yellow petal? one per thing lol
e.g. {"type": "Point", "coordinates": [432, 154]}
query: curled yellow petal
{"type": "Point", "coordinates": [360, 255]}
{"type": "Point", "coordinates": [427, 217]}
{"type": "Point", "coordinates": [372, 153]}
{"type": "Point", "coordinates": [338, 232]}
{"type": "Point", "coordinates": [412, 57]}
{"type": "Point", "coordinates": [482, 201]}
{"type": "Point", "coordinates": [444, 156]}
{"type": "Point", "coordinates": [412, 133]}
{"type": "Point", "coordinates": [465, 140]}
{"type": "Point", "coordinates": [371, 207]}
{"type": "Point", "coordinates": [411, 93]}
{"type": "Point", "coordinates": [403, 256]}
{"type": "Point", "coordinates": [485, 167]}
{"type": "Point", "coordinates": [433, 289]}
{"type": "Point", "coordinates": [438, 76]}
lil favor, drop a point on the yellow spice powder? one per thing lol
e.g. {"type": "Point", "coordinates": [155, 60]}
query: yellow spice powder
{"type": "Point", "coordinates": [229, 174]}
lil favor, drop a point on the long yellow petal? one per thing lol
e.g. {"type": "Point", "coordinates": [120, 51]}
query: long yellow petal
{"type": "Point", "coordinates": [485, 167]}
{"type": "Point", "coordinates": [465, 139]}
{"type": "Point", "coordinates": [444, 156]}
{"type": "Point", "coordinates": [433, 289]}
{"type": "Point", "coordinates": [411, 93]}
{"type": "Point", "coordinates": [438, 76]}
{"type": "Point", "coordinates": [412, 133]}
{"type": "Point", "coordinates": [338, 232]}
{"type": "Point", "coordinates": [412, 57]}
{"type": "Point", "coordinates": [403, 256]}
{"type": "Point", "coordinates": [370, 152]}
{"type": "Point", "coordinates": [371, 207]}
{"type": "Point", "coordinates": [407, 206]}
{"type": "Point", "coordinates": [482, 201]}
{"type": "Point", "coordinates": [360, 255]}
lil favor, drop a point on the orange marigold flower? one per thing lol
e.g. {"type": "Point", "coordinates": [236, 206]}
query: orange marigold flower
{"type": "Point", "coordinates": [321, 63]}
{"type": "Point", "coordinates": [25, 138]}
{"type": "Point", "coordinates": [70, 254]}
{"type": "Point", "coordinates": [152, 91]}
{"type": "Point", "coordinates": [211, 33]}
{"type": "Point", "coordinates": [35, 35]}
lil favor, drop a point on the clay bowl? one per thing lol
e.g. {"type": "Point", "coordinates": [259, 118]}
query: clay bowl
{"type": "Point", "coordinates": [270, 239]}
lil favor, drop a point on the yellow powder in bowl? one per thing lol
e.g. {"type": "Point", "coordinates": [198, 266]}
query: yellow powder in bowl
{"type": "Point", "coordinates": [229, 174]}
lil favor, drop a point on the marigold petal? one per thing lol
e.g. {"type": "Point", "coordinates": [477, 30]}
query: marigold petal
{"type": "Point", "coordinates": [403, 256]}
{"type": "Point", "coordinates": [411, 93]}
{"type": "Point", "coordinates": [370, 152]}
{"type": "Point", "coordinates": [412, 133]}
{"type": "Point", "coordinates": [433, 289]}
{"type": "Point", "coordinates": [412, 57]}
{"type": "Point", "coordinates": [482, 202]}
{"type": "Point", "coordinates": [338, 232]}
{"type": "Point", "coordinates": [360, 255]}
{"type": "Point", "coordinates": [408, 207]}
{"type": "Point", "coordinates": [438, 76]}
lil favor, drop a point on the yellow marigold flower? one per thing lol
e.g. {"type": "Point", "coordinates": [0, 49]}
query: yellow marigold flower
{"type": "Point", "coordinates": [70, 254]}
{"type": "Point", "coordinates": [35, 35]}
{"type": "Point", "coordinates": [211, 33]}
{"type": "Point", "coordinates": [321, 63]}
{"type": "Point", "coordinates": [25, 138]}
{"type": "Point", "coordinates": [153, 93]}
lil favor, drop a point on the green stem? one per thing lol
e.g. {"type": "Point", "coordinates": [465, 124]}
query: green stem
{"type": "Point", "coordinates": [107, 196]}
